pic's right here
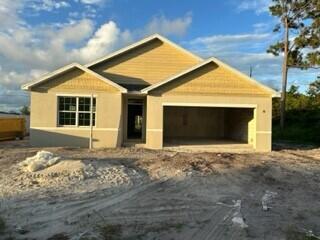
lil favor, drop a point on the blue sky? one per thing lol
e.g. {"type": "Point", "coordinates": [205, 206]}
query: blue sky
{"type": "Point", "coordinates": [37, 36]}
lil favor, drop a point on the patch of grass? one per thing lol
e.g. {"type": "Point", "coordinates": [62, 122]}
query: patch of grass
{"type": "Point", "coordinates": [2, 225]}
{"type": "Point", "coordinates": [110, 232]}
{"type": "Point", "coordinates": [178, 227]}
{"type": "Point", "coordinates": [294, 234]}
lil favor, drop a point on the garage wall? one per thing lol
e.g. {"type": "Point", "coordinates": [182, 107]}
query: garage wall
{"type": "Point", "coordinates": [261, 123]}
{"type": "Point", "coordinates": [237, 124]}
{"type": "Point", "coordinates": [208, 122]}
{"type": "Point", "coordinates": [184, 122]}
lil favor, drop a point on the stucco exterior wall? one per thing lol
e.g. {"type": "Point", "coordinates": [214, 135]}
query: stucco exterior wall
{"type": "Point", "coordinates": [193, 122]}
{"type": "Point", "coordinates": [44, 129]}
{"type": "Point", "coordinates": [262, 115]}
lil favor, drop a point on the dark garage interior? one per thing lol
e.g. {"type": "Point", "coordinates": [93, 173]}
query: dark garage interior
{"type": "Point", "coordinates": [208, 125]}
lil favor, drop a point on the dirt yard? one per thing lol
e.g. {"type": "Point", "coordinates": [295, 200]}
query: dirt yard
{"type": "Point", "coordinates": [142, 194]}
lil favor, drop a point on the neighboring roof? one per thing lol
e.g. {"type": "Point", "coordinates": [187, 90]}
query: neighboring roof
{"type": "Point", "coordinates": [139, 43]}
{"type": "Point", "coordinates": [219, 63]}
{"type": "Point", "coordinates": [64, 69]}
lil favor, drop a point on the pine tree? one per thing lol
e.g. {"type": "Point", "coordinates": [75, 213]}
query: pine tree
{"type": "Point", "coordinates": [299, 22]}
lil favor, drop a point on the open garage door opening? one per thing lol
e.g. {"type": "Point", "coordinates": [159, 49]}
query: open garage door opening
{"type": "Point", "coordinates": [208, 126]}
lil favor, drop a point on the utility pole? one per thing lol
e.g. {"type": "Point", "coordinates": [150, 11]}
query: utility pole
{"type": "Point", "coordinates": [251, 70]}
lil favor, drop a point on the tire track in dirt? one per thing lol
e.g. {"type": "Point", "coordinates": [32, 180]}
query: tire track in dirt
{"type": "Point", "coordinates": [71, 213]}
{"type": "Point", "coordinates": [219, 226]}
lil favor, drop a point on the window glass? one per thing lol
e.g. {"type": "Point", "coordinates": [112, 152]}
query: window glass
{"type": "Point", "coordinates": [68, 110]}
{"type": "Point", "coordinates": [84, 104]}
{"type": "Point", "coordinates": [84, 119]}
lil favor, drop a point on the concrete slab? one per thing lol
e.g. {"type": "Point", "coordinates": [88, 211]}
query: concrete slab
{"type": "Point", "coordinates": [208, 145]}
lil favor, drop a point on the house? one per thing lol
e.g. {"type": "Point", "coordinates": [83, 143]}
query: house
{"type": "Point", "coordinates": [153, 93]}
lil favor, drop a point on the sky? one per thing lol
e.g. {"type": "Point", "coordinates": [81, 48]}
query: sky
{"type": "Point", "coordinates": [39, 36]}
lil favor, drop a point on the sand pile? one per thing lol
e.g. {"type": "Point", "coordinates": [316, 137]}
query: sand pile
{"type": "Point", "coordinates": [41, 160]}
{"type": "Point", "coordinates": [66, 168]}
{"type": "Point", "coordinates": [70, 171]}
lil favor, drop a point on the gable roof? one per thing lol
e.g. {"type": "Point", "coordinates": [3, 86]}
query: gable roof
{"type": "Point", "coordinates": [219, 63]}
{"type": "Point", "coordinates": [64, 69]}
{"type": "Point", "coordinates": [139, 43]}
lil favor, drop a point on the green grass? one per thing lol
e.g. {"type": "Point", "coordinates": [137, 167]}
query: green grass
{"type": "Point", "coordinates": [2, 225]}
{"type": "Point", "coordinates": [301, 127]}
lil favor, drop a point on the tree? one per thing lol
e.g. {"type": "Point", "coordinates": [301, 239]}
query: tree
{"type": "Point", "coordinates": [314, 88]}
{"type": "Point", "coordinates": [293, 90]}
{"type": "Point", "coordinates": [314, 93]}
{"type": "Point", "coordinates": [300, 45]}
{"type": "Point", "coordinates": [25, 110]}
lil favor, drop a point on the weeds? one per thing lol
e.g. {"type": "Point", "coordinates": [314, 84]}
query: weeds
{"type": "Point", "coordinates": [294, 234]}
{"type": "Point", "coordinates": [110, 232]}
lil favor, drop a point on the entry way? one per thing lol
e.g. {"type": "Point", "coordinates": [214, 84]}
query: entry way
{"type": "Point", "coordinates": [208, 126]}
{"type": "Point", "coordinates": [135, 119]}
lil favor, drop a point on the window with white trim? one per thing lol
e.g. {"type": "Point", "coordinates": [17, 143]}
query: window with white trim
{"type": "Point", "coordinates": [75, 111]}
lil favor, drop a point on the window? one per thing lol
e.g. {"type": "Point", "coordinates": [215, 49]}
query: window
{"type": "Point", "coordinates": [75, 111]}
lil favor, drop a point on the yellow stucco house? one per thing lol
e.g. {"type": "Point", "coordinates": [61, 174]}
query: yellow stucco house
{"type": "Point", "coordinates": [152, 93]}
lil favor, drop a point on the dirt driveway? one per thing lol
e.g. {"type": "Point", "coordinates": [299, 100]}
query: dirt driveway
{"type": "Point", "coordinates": [133, 193]}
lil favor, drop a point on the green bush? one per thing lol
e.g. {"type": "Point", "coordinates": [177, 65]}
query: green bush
{"type": "Point", "coordinates": [301, 126]}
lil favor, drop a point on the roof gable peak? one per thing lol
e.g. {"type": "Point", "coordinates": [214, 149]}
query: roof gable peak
{"type": "Point", "coordinates": [219, 63]}
{"type": "Point", "coordinates": [66, 68]}
{"type": "Point", "coordinates": [139, 43]}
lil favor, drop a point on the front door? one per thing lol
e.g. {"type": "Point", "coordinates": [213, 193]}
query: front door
{"type": "Point", "coordinates": [135, 119]}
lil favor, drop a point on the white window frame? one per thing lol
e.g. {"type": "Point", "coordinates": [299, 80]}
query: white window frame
{"type": "Point", "coordinates": [77, 110]}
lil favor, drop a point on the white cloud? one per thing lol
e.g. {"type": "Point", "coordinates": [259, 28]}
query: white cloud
{"type": "Point", "coordinates": [258, 6]}
{"type": "Point", "coordinates": [238, 38]}
{"type": "Point", "coordinates": [165, 26]}
{"type": "Point", "coordinates": [12, 80]}
{"type": "Point", "coordinates": [263, 27]}
{"type": "Point", "coordinates": [29, 51]}
{"type": "Point", "coordinates": [8, 13]}
{"type": "Point", "coordinates": [216, 44]}
{"type": "Point", "coordinates": [104, 40]}
{"type": "Point", "coordinates": [49, 47]}
{"type": "Point", "coordinates": [74, 33]}
{"type": "Point", "coordinates": [47, 5]}
{"type": "Point", "coordinates": [96, 2]}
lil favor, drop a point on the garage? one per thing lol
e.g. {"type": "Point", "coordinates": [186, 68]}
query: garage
{"type": "Point", "coordinates": [208, 126]}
